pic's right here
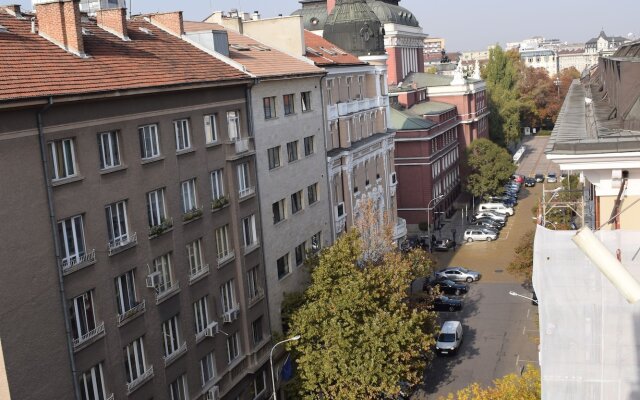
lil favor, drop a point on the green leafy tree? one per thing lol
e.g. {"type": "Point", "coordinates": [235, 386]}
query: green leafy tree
{"type": "Point", "coordinates": [522, 263]}
{"type": "Point", "coordinates": [360, 338]}
{"type": "Point", "coordinates": [490, 166]}
{"type": "Point", "coordinates": [510, 387]}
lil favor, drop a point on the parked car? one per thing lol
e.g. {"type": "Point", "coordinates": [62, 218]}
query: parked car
{"type": "Point", "coordinates": [484, 229]}
{"type": "Point", "coordinates": [496, 207]}
{"type": "Point", "coordinates": [552, 177]}
{"type": "Point", "coordinates": [449, 338]}
{"type": "Point", "coordinates": [444, 303]}
{"type": "Point", "coordinates": [493, 222]}
{"type": "Point", "coordinates": [459, 274]}
{"type": "Point", "coordinates": [492, 215]}
{"type": "Point", "coordinates": [504, 198]}
{"type": "Point", "coordinates": [517, 178]}
{"type": "Point", "coordinates": [530, 182]}
{"type": "Point", "coordinates": [447, 286]}
{"type": "Point", "coordinates": [471, 235]}
{"type": "Point", "coordinates": [443, 245]}
{"type": "Point", "coordinates": [539, 177]}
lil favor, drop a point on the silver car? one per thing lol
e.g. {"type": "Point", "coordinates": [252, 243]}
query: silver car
{"type": "Point", "coordinates": [459, 274]}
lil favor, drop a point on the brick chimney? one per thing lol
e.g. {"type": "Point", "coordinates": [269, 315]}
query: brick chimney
{"type": "Point", "coordinates": [171, 22]}
{"type": "Point", "coordinates": [330, 5]}
{"type": "Point", "coordinates": [113, 20]}
{"type": "Point", "coordinates": [13, 9]}
{"type": "Point", "coordinates": [59, 22]}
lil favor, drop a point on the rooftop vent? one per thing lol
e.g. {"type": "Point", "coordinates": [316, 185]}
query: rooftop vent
{"type": "Point", "coordinates": [145, 30]}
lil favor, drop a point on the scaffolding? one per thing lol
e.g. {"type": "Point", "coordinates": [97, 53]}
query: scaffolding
{"type": "Point", "coordinates": [563, 199]}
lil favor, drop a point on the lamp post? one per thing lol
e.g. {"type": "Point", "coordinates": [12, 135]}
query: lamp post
{"type": "Point", "coordinates": [524, 297]}
{"type": "Point", "coordinates": [429, 208]}
{"type": "Point", "coordinates": [557, 82]}
{"type": "Point", "coordinates": [273, 379]}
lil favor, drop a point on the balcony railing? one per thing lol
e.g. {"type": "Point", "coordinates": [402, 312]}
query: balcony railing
{"type": "Point", "coordinates": [175, 355]}
{"type": "Point", "coordinates": [198, 273]}
{"type": "Point", "coordinates": [130, 313]}
{"type": "Point", "coordinates": [136, 383]}
{"type": "Point", "coordinates": [110, 397]}
{"type": "Point", "coordinates": [72, 264]}
{"type": "Point", "coordinates": [225, 257]}
{"type": "Point", "coordinates": [242, 145]}
{"type": "Point", "coordinates": [257, 295]}
{"type": "Point", "coordinates": [167, 291]}
{"type": "Point", "coordinates": [246, 192]}
{"type": "Point", "coordinates": [332, 112]}
{"type": "Point", "coordinates": [98, 330]}
{"type": "Point", "coordinates": [354, 106]}
{"type": "Point", "coordinates": [232, 314]}
{"type": "Point", "coordinates": [118, 245]}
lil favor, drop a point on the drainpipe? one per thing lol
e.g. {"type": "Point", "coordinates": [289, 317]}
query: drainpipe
{"type": "Point", "coordinates": [56, 246]}
{"type": "Point", "coordinates": [324, 135]}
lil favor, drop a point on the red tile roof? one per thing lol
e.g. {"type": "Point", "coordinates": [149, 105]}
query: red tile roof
{"type": "Point", "coordinates": [324, 53]}
{"type": "Point", "coordinates": [259, 59]}
{"type": "Point", "coordinates": [31, 66]}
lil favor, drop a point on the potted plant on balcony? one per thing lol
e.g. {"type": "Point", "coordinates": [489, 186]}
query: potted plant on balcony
{"type": "Point", "coordinates": [219, 202]}
{"type": "Point", "coordinates": [159, 229]}
{"type": "Point", "coordinates": [192, 214]}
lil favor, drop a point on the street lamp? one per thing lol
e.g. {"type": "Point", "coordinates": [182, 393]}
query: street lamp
{"type": "Point", "coordinates": [429, 208]}
{"type": "Point", "coordinates": [273, 379]}
{"type": "Point", "coordinates": [524, 297]}
{"type": "Point", "coordinates": [557, 82]}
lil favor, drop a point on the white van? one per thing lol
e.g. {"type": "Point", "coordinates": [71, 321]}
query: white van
{"type": "Point", "coordinates": [497, 207]}
{"type": "Point", "coordinates": [450, 337]}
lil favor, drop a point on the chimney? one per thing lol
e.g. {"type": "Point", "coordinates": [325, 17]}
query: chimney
{"type": "Point", "coordinates": [330, 6]}
{"type": "Point", "coordinates": [59, 22]}
{"type": "Point", "coordinates": [113, 20]}
{"type": "Point", "coordinates": [171, 22]}
{"type": "Point", "coordinates": [13, 9]}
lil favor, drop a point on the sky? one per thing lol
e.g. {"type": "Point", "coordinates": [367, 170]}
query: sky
{"type": "Point", "coordinates": [465, 24]}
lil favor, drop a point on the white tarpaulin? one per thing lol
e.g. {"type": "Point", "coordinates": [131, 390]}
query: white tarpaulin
{"type": "Point", "coordinates": [589, 334]}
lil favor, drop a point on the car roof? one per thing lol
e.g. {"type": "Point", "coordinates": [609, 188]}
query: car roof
{"type": "Point", "coordinates": [450, 326]}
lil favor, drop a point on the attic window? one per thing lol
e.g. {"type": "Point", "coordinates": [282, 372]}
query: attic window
{"type": "Point", "coordinates": [145, 30]}
{"type": "Point", "coordinates": [313, 51]}
{"type": "Point", "coordinates": [3, 29]}
{"type": "Point", "coordinates": [338, 51]}
{"type": "Point", "coordinates": [260, 47]}
{"type": "Point", "coordinates": [239, 47]}
{"type": "Point", "coordinates": [328, 51]}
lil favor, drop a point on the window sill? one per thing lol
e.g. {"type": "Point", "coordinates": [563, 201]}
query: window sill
{"type": "Point", "coordinates": [251, 248]}
{"type": "Point", "coordinates": [216, 209]}
{"type": "Point", "coordinates": [112, 251]}
{"type": "Point", "coordinates": [271, 119]}
{"type": "Point", "coordinates": [157, 235]}
{"type": "Point", "coordinates": [167, 294]}
{"type": "Point", "coordinates": [282, 221]}
{"type": "Point", "coordinates": [199, 275]}
{"type": "Point", "coordinates": [212, 145]}
{"type": "Point", "coordinates": [293, 161]}
{"type": "Point", "coordinates": [290, 115]}
{"type": "Point", "coordinates": [185, 151]}
{"type": "Point", "coordinates": [275, 168]}
{"type": "Point", "coordinates": [64, 181]}
{"type": "Point", "coordinates": [256, 299]}
{"type": "Point", "coordinates": [111, 170]}
{"type": "Point", "coordinates": [191, 217]}
{"type": "Point", "coordinates": [145, 161]}
{"type": "Point", "coordinates": [246, 197]}
{"type": "Point", "coordinates": [226, 260]}
{"type": "Point", "coordinates": [288, 274]}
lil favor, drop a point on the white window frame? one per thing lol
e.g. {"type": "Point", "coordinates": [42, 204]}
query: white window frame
{"type": "Point", "coordinates": [162, 264]}
{"type": "Point", "coordinates": [189, 195]}
{"type": "Point", "coordinates": [83, 314]}
{"type": "Point", "coordinates": [201, 314]}
{"type": "Point", "coordinates": [126, 286]}
{"type": "Point", "coordinates": [292, 151]}
{"type": "Point", "coordinates": [183, 137]}
{"type": "Point", "coordinates": [287, 266]}
{"type": "Point", "coordinates": [134, 359]}
{"type": "Point", "coordinates": [156, 207]}
{"type": "Point", "coordinates": [233, 347]}
{"type": "Point", "coordinates": [194, 255]}
{"type": "Point", "coordinates": [273, 155]}
{"type": "Point", "coordinates": [244, 179]}
{"type": "Point", "coordinates": [227, 296]}
{"type": "Point", "coordinates": [223, 246]}
{"type": "Point", "coordinates": [297, 206]}
{"type": "Point", "coordinates": [72, 239]}
{"type": "Point", "coordinates": [282, 211]}
{"type": "Point", "coordinates": [109, 150]}
{"type": "Point", "coordinates": [305, 105]}
{"type": "Point", "coordinates": [149, 141]}
{"type": "Point", "coordinates": [249, 235]}
{"type": "Point", "coordinates": [253, 280]}
{"type": "Point", "coordinates": [312, 189]}
{"type": "Point", "coordinates": [211, 128]}
{"type": "Point", "coordinates": [171, 336]}
{"type": "Point", "coordinates": [179, 389]}
{"type": "Point", "coordinates": [92, 383]}
{"type": "Point", "coordinates": [117, 222]}
{"type": "Point", "coordinates": [217, 184]}
{"type": "Point", "coordinates": [309, 145]}
{"type": "Point", "coordinates": [233, 125]}
{"type": "Point", "coordinates": [207, 368]}
{"type": "Point", "coordinates": [63, 159]}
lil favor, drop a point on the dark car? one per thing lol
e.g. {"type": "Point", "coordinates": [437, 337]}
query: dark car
{"type": "Point", "coordinates": [443, 245]}
{"type": "Point", "coordinates": [539, 178]}
{"type": "Point", "coordinates": [496, 224]}
{"type": "Point", "coordinates": [484, 229]}
{"type": "Point", "coordinates": [530, 182]}
{"type": "Point", "coordinates": [487, 223]}
{"type": "Point", "coordinates": [444, 303]}
{"type": "Point", "coordinates": [447, 286]}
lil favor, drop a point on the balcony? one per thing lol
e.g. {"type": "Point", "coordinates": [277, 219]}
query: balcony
{"type": "Point", "coordinates": [76, 263]}
{"type": "Point", "coordinates": [332, 112]}
{"type": "Point", "coordinates": [246, 192]}
{"type": "Point", "coordinates": [88, 337]}
{"type": "Point", "coordinates": [168, 291]}
{"type": "Point", "coordinates": [165, 226]}
{"type": "Point", "coordinates": [400, 230]}
{"type": "Point", "coordinates": [242, 147]}
{"type": "Point", "coordinates": [122, 244]}
{"type": "Point", "coordinates": [140, 380]}
{"type": "Point", "coordinates": [355, 106]}
{"type": "Point", "coordinates": [175, 355]}
{"type": "Point", "coordinates": [198, 274]}
{"type": "Point", "coordinates": [131, 313]}
{"type": "Point", "coordinates": [224, 258]}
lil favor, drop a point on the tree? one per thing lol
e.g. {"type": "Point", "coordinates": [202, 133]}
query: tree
{"type": "Point", "coordinates": [490, 166]}
{"type": "Point", "coordinates": [375, 230]}
{"type": "Point", "coordinates": [538, 94]}
{"type": "Point", "coordinates": [360, 339]}
{"type": "Point", "coordinates": [522, 263]}
{"type": "Point", "coordinates": [510, 387]}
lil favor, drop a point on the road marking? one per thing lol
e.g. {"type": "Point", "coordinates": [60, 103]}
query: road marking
{"type": "Point", "coordinates": [524, 329]}
{"type": "Point", "coordinates": [528, 312]}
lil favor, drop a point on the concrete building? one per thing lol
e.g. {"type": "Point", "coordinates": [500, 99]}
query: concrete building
{"type": "Point", "coordinates": [603, 44]}
{"type": "Point", "coordinates": [288, 123]}
{"type": "Point", "coordinates": [540, 58]}
{"type": "Point", "coordinates": [131, 163]}
{"type": "Point", "coordinates": [434, 45]}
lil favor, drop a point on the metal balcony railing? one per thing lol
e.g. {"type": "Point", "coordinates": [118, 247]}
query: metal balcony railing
{"type": "Point", "coordinates": [136, 383]}
{"type": "Point", "coordinates": [125, 242]}
{"type": "Point", "coordinates": [99, 329]}
{"type": "Point", "coordinates": [198, 273]}
{"type": "Point", "coordinates": [74, 263]}
{"type": "Point", "coordinates": [177, 353]}
{"type": "Point", "coordinates": [139, 308]}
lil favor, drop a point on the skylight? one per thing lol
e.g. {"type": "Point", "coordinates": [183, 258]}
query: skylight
{"type": "Point", "coordinates": [313, 51]}
{"type": "Point", "coordinates": [3, 29]}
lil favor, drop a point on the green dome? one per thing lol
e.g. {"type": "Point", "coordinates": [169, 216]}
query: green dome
{"type": "Point", "coordinates": [354, 27]}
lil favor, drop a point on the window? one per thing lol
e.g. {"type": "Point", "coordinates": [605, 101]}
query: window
{"type": "Point", "coordinates": [109, 150]}
{"type": "Point", "coordinates": [269, 104]}
{"type": "Point", "coordinates": [63, 159]}
{"type": "Point", "coordinates": [201, 314]}
{"type": "Point", "coordinates": [300, 250]}
{"type": "Point", "coordinates": [149, 143]}
{"type": "Point", "coordinates": [244, 181]}
{"type": "Point", "coordinates": [82, 314]}
{"type": "Point", "coordinates": [292, 151]}
{"type": "Point", "coordinates": [189, 198]}
{"type": "Point", "coordinates": [72, 247]}
{"type": "Point", "coordinates": [92, 384]}
{"type": "Point", "coordinates": [211, 128]}
{"type": "Point", "coordinates": [162, 264]}
{"type": "Point", "coordinates": [249, 231]}
{"type": "Point", "coordinates": [171, 336]}
{"type": "Point", "coordinates": [283, 266]}
{"type": "Point", "coordinates": [134, 360]}
{"type": "Point", "coordinates": [233, 123]}
{"type": "Point", "coordinates": [305, 101]}
{"type": "Point", "coordinates": [360, 87]}
{"type": "Point", "coordinates": [274, 157]}
{"type": "Point", "coordinates": [349, 79]}
{"type": "Point", "coordinates": [181, 129]}
{"type": "Point", "coordinates": [287, 99]}
{"type": "Point", "coordinates": [178, 389]}
{"type": "Point", "coordinates": [330, 91]}
{"type": "Point", "coordinates": [278, 211]}
{"type": "Point", "coordinates": [233, 347]}
{"type": "Point", "coordinates": [126, 292]}
{"type": "Point", "coordinates": [156, 208]}
{"type": "Point", "coordinates": [316, 242]}
{"type": "Point", "coordinates": [117, 229]}
{"type": "Point", "coordinates": [296, 202]}
{"type": "Point", "coordinates": [312, 193]}
{"type": "Point", "coordinates": [259, 385]}
{"type": "Point", "coordinates": [217, 184]}
{"type": "Point", "coordinates": [253, 282]}
{"type": "Point", "coordinates": [207, 368]}
{"type": "Point", "coordinates": [228, 297]}
{"type": "Point", "coordinates": [194, 253]}
{"type": "Point", "coordinates": [309, 145]}
{"type": "Point", "coordinates": [256, 330]}
{"type": "Point", "coordinates": [222, 243]}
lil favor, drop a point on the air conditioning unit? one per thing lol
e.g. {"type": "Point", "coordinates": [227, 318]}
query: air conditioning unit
{"type": "Point", "coordinates": [340, 210]}
{"type": "Point", "coordinates": [212, 329]}
{"type": "Point", "coordinates": [213, 394]}
{"type": "Point", "coordinates": [235, 314]}
{"type": "Point", "coordinates": [153, 279]}
{"type": "Point", "coordinates": [226, 317]}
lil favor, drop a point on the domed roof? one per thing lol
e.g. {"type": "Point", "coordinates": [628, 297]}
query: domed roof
{"type": "Point", "coordinates": [389, 12]}
{"type": "Point", "coordinates": [354, 27]}
{"type": "Point", "coordinates": [314, 14]}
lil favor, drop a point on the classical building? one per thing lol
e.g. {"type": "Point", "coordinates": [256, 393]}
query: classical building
{"type": "Point", "coordinates": [540, 58]}
{"type": "Point", "coordinates": [604, 45]}
{"type": "Point", "coordinates": [288, 126]}
{"type": "Point", "coordinates": [433, 45]}
{"type": "Point", "coordinates": [131, 163]}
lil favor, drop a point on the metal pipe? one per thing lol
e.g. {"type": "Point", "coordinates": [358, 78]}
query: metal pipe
{"type": "Point", "coordinates": [332, 222]}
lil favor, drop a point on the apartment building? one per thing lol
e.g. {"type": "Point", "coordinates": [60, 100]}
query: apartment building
{"type": "Point", "coordinates": [131, 167]}
{"type": "Point", "coordinates": [290, 153]}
